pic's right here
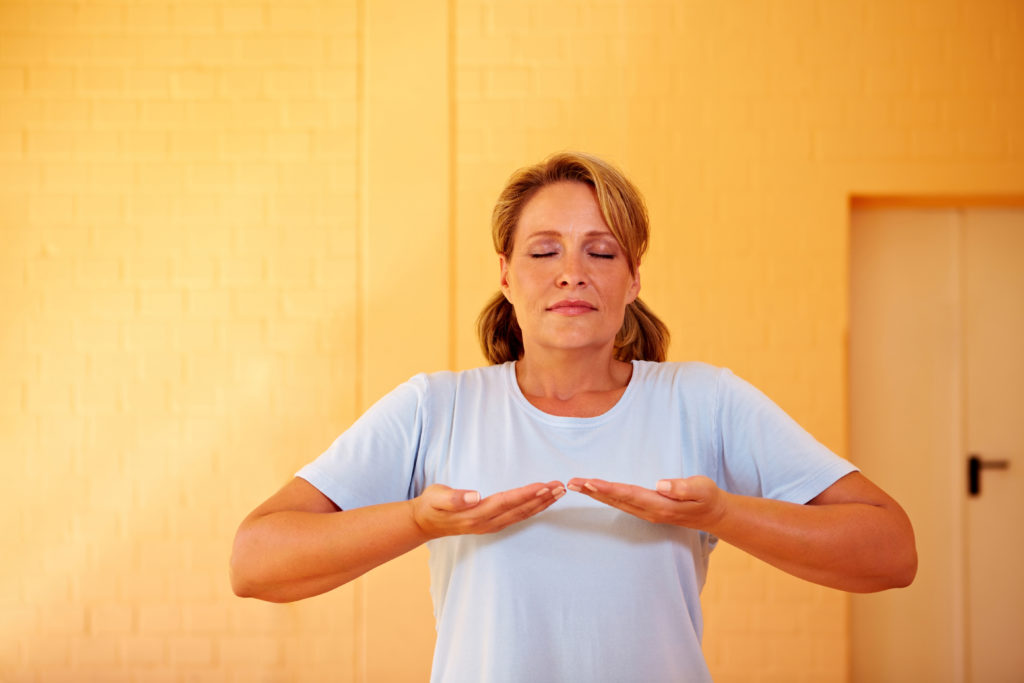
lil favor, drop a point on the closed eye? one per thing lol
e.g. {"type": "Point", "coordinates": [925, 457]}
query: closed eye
{"type": "Point", "coordinates": [607, 256]}
{"type": "Point", "coordinates": [544, 254]}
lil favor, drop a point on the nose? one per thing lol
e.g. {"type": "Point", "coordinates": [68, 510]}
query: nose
{"type": "Point", "coordinates": [573, 271]}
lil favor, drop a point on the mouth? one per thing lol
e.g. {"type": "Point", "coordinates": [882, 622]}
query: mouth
{"type": "Point", "coordinates": [572, 307]}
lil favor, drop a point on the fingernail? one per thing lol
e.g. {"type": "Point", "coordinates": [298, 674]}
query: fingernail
{"type": "Point", "coordinates": [472, 498]}
{"type": "Point", "coordinates": [590, 487]}
{"type": "Point", "coordinates": [558, 493]}
{"type": "Point", "coordinates": [664, 485]}
{"type": "Point", "coordinates": [543, 492]}
{"type": "Point", "coordinates": [573, 487]}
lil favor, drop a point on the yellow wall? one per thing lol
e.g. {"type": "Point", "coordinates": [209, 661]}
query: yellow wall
{"type": "Point", "coordinates": [226, 227]}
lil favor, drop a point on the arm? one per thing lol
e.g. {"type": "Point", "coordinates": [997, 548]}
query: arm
{"type": "Point", "coordinates": [298, 543]}
{"type": "Point", "coordinates": [852, 536]}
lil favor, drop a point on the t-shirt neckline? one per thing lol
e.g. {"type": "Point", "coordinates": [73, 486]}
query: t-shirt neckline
{"type": "Point", "coordinates": [565, 421]}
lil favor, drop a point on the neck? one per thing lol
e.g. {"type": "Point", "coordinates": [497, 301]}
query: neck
{"type": "Point", "coordinates": [563, 375]}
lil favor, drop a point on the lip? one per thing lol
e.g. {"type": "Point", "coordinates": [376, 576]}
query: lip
{"type": "Point", "coordinates": [572, 307]}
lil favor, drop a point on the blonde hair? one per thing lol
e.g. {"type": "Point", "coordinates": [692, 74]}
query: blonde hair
{"type": "Point", "coordinates": [643, 336]}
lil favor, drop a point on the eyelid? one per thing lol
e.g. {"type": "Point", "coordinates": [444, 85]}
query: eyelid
{"type": "Point", "coordinates": [600, 247]}
{"type": "Point", "coordinates": [542, 248]}
{"type": "Point", "coordinates": [604, 247]}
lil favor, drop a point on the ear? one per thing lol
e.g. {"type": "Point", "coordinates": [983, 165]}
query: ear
{"type": "Point", "coordinates": [503, 265]}
{"type": "Point", "coordinates": [634, 287]}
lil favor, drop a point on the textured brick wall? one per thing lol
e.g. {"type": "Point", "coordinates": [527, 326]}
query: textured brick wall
{"type": "Point", "coordinates": [211, 226]}
{"type": "Point", "coordinates": [177, 221]}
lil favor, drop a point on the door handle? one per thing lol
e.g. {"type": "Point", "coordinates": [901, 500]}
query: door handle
{"type": "Point", "coordinates": [974, 467]}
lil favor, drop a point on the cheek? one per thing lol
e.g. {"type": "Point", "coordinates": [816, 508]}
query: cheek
{"type": "Point", "coordinates": [624, 283]}
{"type": "Point", "coordinates": [515, 286]}
{"type": "Point", "coordinates": [529, 274]}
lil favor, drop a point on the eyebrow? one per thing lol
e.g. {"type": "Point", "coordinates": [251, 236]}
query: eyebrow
{"type": "Point", "coordinates": [558, 233]}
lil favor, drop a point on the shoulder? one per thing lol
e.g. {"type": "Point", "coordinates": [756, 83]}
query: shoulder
{"type": "Point", "coordinates": [484, 375]}
{"type": "Point", "coordinates": [695, 375]}
{"type": "Point", "coordinates": [686, 374]}
{"type": "Point", "coordinates": [437, 386]}
{"type": "Point", "coordinates": [691, 386]}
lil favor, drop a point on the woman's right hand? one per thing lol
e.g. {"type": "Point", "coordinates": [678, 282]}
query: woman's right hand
{"type": "Point", "coordinates": [443, 511]}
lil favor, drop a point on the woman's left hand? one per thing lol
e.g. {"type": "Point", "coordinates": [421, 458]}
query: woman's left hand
{"type": "Point", "coordinates": [852, 536]}
{"type": "Point", "coordinates": [694, 502]}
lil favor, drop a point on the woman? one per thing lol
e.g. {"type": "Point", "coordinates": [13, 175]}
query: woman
{"type": "Point", "coordinates": [660, 460]}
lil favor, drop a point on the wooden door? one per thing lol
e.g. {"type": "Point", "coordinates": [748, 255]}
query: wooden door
{"type": "Point", "coordinates": [936, 373]}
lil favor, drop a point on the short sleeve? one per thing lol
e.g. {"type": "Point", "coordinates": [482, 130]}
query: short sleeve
{"type": "Point", "coordinates": [377, 459]}
{"type": "Point", "coordinates": [764, 452]}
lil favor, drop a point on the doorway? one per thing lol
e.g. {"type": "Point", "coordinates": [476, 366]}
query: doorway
{"type": "Point", "coordinates": [936, 373]}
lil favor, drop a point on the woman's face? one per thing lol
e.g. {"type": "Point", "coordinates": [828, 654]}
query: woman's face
{"type": "Point", "coordinates": [567, 277]}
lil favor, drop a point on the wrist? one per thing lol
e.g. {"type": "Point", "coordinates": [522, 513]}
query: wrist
{"type": "Point", "coordinates": [719, 517]}
{"type": "Point", "coordinates": [418, 526]}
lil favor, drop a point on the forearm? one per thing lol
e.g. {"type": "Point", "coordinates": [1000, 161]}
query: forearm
{"type": "Point", "coordinates": [858, 547]}
{"type": "Point", "coordinates": [298, 544]}
{"type": "Point", "coordinates": [289, 555]}
{"type": "Point", "coordinates": [852, 536]}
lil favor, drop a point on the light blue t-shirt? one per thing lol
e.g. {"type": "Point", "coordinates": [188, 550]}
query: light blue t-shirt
{"type": "Point", "coordinates": [581, 591]}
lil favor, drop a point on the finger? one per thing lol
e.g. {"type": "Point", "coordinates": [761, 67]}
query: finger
{"type": "Point", "coordinates": [605, 489]}
{"type": "Point", "coordinates": [595, 488]}
{"type": "Point", "coordinates": [517, 505]}
{"type": "Point", "coordinates": [645, 512]}
{"type": "Point", "coordinates": [531, 497]}
{"type": "Point", "coordinates": [635, 500]}
{"type": "Point", "coordinates": [576, 484]}
{"type": "Point", "coordinates": [640, 508]}
{"type": "Point", "coordinates": [512, 498]}
{"type": "Point", "coordinates": [611, 493]}
{"type": "Point", "coordinates": [520, 513]}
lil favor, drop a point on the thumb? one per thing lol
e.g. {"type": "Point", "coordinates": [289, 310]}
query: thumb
{"type": "Point", "coordinates": [443, 497]}
{"type": "Point", "coordinates": [463, 499]}
{"type": "Point", "coordinates": [676, 489]}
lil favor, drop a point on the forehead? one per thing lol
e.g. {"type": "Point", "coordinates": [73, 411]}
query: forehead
{"type": "Point", "coordinates": [563, 207]}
